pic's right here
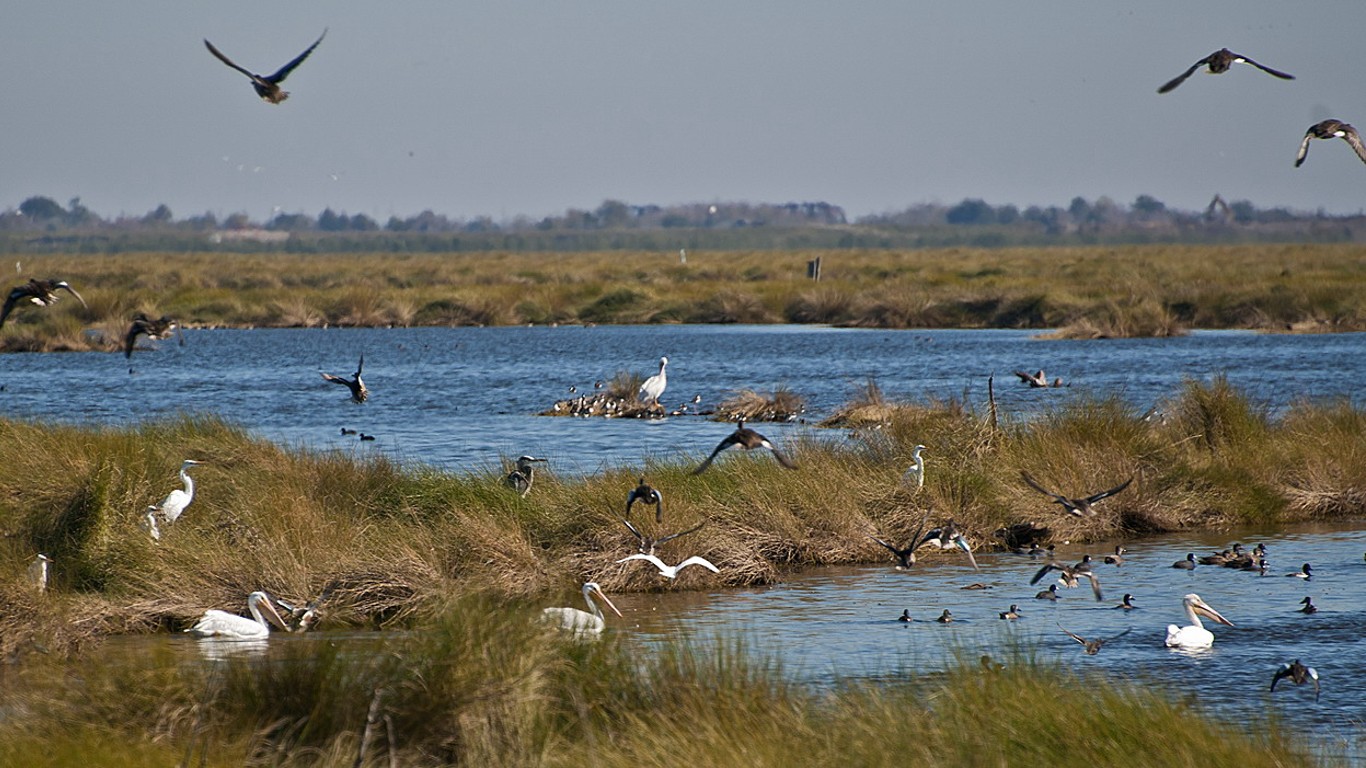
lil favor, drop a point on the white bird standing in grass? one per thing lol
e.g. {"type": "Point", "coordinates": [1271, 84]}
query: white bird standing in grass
{"type": "Point", "coordinates": [914, 477]}
{"type": "Point", "coordinates": [215, 623]}
{"type": "Point", "coordinates": [653, 387]}
{"type": "Point", "coordinates": [579, 622]}
{"type": "Point", "coordinates": [176, 501]}
{"type": "Point", "coordinates": [671, 571]}
{"type": "Point", "coordinates": [1194, 634]}
{"type": "Point", "coordinates": [37, 571]}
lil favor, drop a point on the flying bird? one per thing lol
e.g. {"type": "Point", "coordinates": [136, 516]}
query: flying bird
{"type": "Point", "coordinates": [646, 545]}
{"type": "Point", "coordinates": [177, 500]}
{"type": "Point", "coordinates": [1331, 129]}
{"type": "Point", "coordinates": [1093, 646]}
{"type": "Point", "coordinates": [268, 86]}
{"type": "Point", "coordinates": [1194, 635]}
{"type": "Point", "coordinates": [582, 623]}
{"type": "Point", "coordinates": [648, 495]}
{"type": "Point", "coordinates": [143, 325]}
{"type": "Point", "coordinates": [359, 393]}
{"type": "Point", "coordinates": [1081, 507]}
{"type": "Point", "coordinates": [671, 571]}
{"type": "Point", "coordinates": [521, 478]}
{"type": "Point", "coordinates": [653, 387]}
{"type": "Point", "coordinates": [215, 623]}
{"type": "Point", "coordinates": [1219, 62]}
{"type": "Point", "coordinates": [1298, 674]}
{"type": "Point", "coordinates": [747, 439]}
{"type": "Point", "coordinates": [1038, 380]}
{"type": "Point", "coordinates": [40, 292]}
{"type": "Point", "coordinates": [1070, 575]}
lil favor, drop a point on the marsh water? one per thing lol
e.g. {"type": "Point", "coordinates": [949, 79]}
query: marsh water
{"type": "Point", "coordinates": [465, 399]}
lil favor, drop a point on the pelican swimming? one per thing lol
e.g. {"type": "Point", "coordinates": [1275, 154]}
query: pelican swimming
{"type": "Point", "coordinates": [1011, 613]}
{"type": "Point", "coordinates": [176, 501]}
{"type": "Point", "coordinates": [1093, 646]}
{"type": "Point", "coordinates": [1305, 572]}
{"type": "Point", "coordinates": [646, 545]}
{"type": "Point", "coordinates": [1331, 129]}
{"type": "Point", "coordinates": [1069, 575]}
{"type": "Point", "coordinates": [671, 571]}
{"type": "Point", "coordinates": [38, 570]}
{"type": "Point", "coordinates": [653, 387]}
{"type": "Point", "coordinates": [1309, 606]}
{"type": "Point", "coordinates": [648, 495]}
{"type": "Point", "coordinates": [582, 622]}
{"type": "Point", "coordinates": [1128, 603]}
{"type": "Point", "coordinates": [1219, 62]}
{"type": "Point", "coordinates": [40, 292]}
{"type": "Point", "coordinates": [268, 86]}
{"type": "Point", "coordinates": [1298, 674]}
{"type": "Point", "coordinates": [359, 393]}
{"type": "Point", "coordinates": [153, 329]}
{"type": "Point", "coordinates": [1187, 564]}
{"type": "Point", "coordinates": [215, 623]}
{"type": "Point", "coordinates": [914, 476]}
{"type": "Point", "coordinates": [1194, 634]}
{"type": "Point", "coordinates": [522, 478]}
{"type": "Point", "coordinates": [1082, 507]}
{"type": "Point", "coordinates": [747, 439]}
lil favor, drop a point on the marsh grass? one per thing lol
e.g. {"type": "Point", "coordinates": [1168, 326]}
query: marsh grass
{"type": "Point", "coordinates": [1083, 292]}
{"type": "Point", "coordinates": [747, 405]}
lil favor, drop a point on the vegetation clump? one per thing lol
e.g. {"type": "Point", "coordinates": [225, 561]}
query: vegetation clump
{"type": "Point", "coordinates": [747, 405]}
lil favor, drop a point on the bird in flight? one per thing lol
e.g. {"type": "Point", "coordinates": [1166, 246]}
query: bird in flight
{"type": "Point", "coordinates": [747, 439]}
{"type": "Point", "coordinates": [1331, 129]}
{"type": "Point", "coordinates": [40, 292]}
{"type": "Point", "coordinates": [153, 329]}
{"type": "Point", "coordinates": [1081, 507]}
{"type": "Point", "coordinates": [358, 391]}
{"type": "Point", "coordinates": [268, 86]}
{"type": "Point", "coordinates": [1218, 63]}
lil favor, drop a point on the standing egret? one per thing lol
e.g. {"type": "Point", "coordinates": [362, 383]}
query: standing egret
{"type": "Point", "coordinates": [671, 571]}
{"type": "Point", "coordinates": [268, 86]}
{"type": "Point", "coordinates": [37, 571]}
{"type": "Point", "coordinates": [359, 393]}
{"type": "Point", "coordinates": [176, 501]}
{"type": "Point", "coordinates": [521, 478]}
{"type": "Point", "coordinates": [649, 495]}
{"type": "Point", "coordinates": [653, 387]}
{"type": "Point", "coordinates": [1081, 507]}
{"type": "Point", "coordinates": [914, 476]}
{"type": "Point", "coordinates": [747, 439]}
{"type": "Point", "coordinates": [215, 623]}
{"type": "Point", "coordinates": [1194, 634]}
{"type": "Point", "coordinates": [40, 292]}
{"type": "Point", "coordinates": [579, 622]}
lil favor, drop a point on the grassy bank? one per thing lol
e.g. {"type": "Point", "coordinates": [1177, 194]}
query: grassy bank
{"type": "Point", "coordinates": [387, 544]}
{"type": "Point", "coordinates": [501, 691]}
{"type": "Point", "coordinates": [1120, 291]}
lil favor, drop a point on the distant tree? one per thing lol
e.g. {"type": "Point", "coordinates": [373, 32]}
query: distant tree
{"type": "Point", "coordinates": [78, 215]}
{"type": "Point", "coordinates": [362, 223]}
{"type": "Point", "coordinates": [1148, 205]}
{"type": "Point", "coordinates": [291, 222]}
{"type": "Point", "coordinates": [613, 214]}
{"type": "Point", "coordinates": [42, 209]}
{"type": "Point", "coordinates": [1007, 214]}
{"type": "Point", "coordinates": [1079, 209]}
{"type": "Point", "coordinates": [970, 212]}
{"type": "Point", "coordinates": [237, 221]}
{"type": "Point", "coordinates": [160, 216]}
{"type": "Point", "coordinates": [329, 221]}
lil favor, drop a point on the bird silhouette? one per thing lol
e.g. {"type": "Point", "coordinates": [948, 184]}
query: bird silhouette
{"type": "Point", "coordinates": [1299, 674]}
{"type": "Point", "coordinates": [268, 86]}
{"type": "Point", "coordinates": [1094, 645]}
{"type": "Point", "coordinates": [747, 439]}
{"type": "Point", "coordinates": [648, 495]}
{"type": "Point", "coordinates": [359, 393]}
{"type": "Point", "coordinates": [1081, 507]}
{"type": "Point", "coordinates": [1219, 62]}
{"type": "Point", "coordinates": [1331, 129]}
{"type": "Point", "coordinates": [143, 325]}
{"type": "Point", "coordinates": [40, 292]}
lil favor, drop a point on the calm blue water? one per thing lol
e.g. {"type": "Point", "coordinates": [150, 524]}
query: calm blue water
{"type": "Point", "coordinates": [461, 398]}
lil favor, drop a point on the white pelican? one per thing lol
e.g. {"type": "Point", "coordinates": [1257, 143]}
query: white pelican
{"type": "Point", "coordinates": [747, 439]}
{"type": "Point", "coordinates": [653, 387]}
{"type": "Point", "coordinates": [914, 476]}
{"type": "Point", "coordinates": [1194, 634]}
{"type": "Point", "coordinates": [37, 571]}
{"type": "Point", "coordinates": [215, 623]}
{"type": "Point", "coordinates": [582, 622]}
{"type": "Point", "coordinates": [176, 501]}
{"type": "Point", "coordinates": [671, 571]}
{"type": "Point", "coordinates": [522, 478]}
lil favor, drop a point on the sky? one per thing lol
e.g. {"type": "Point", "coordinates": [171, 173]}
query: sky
{"type": "Point", "coordinates": [503, 108]}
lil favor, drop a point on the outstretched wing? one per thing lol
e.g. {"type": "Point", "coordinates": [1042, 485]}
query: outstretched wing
{"type": "Point", "coordinates": [1043, 572]}
{"type": "Point", "coordinates": [1032, 483]}
{"type": "Point", "coordinates": [1095, 584]}
{"type": "Point", "coordinates": [1268, 70]}
{"type": "Point", "coordinates": [138, 327]}
{"type": "Point", "coordinates": [723, 445]}
{"type": "Point", "coordinates": [360, 365]}
{"type": "Point", "coordinates": [698, 560]}
{"type": "Point", "coordinates": [66, 287]}
{"type": "Point", "coordinates": [673, 536]}
{"type": "Point", "coordinates": [1350, 135]}
{"type": "Point", "coordinates": [13, 298]}
{"type": "Point", "coordinates": [1092, 499]}
{"type": "Point", "coordinates": [1073, 635]}
{"type": "Point", "coordinates": [336, 379]}
{"type": "Point", "coordinates": [227, 60]}
{"type": "Point", "coordinates": [785, 461]}
{"type": "Point", "coordinates": [284, 71]}
{"type": "Point", "coordinates": [1181, 78]}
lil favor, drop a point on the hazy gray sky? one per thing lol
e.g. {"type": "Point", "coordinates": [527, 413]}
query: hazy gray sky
{"type": "Point", "coordinates": [506, 107]}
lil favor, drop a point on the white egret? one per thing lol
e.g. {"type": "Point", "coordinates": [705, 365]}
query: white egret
{"type": "Point", "coordinates": [215, 623]}
{"type": "Point", "coordinates": [176, 501]}
{"type": "Point", "coordinates": [37, 571]}
{"type": "Point", "coordinates": [1194, 634]}
{"type": "Point", "coordinates": [914, 476]}
{"type": "Point", "coordinates": [521, 478]}
{"type": "Point", "coordinates": [582, 622]}
{"type": "Point", "coordinates": [747, 439]}
{"type": "Point", "coordinates": [671, 571]}
{"type": "Point", "coordinates": [653, 387]}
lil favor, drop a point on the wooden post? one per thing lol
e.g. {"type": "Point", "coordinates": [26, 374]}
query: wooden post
{"type": "Point", "coordinates": [813, 269]}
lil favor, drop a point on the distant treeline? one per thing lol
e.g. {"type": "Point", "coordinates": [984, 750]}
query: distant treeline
{"type": "Point", "coordinates": [41, 224]}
